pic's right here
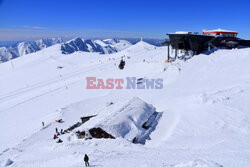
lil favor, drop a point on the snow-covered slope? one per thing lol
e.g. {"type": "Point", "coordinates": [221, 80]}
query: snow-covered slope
{"type": "Point", "coordinates": [118, 44]}
{"type": "Point", "coordinates": [140, 46]}
{"type": "Point", "coordinates": [103, 47]}
{"type": "Point", "coordinates": [23, 48]}
{"type": "Point", "coordinates": [107, 46]}
{"type": "Point", "coordinates": [204, 105]}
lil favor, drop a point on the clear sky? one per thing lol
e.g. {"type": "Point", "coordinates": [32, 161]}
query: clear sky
{"type": "Point", "coordinates": [32, 19]}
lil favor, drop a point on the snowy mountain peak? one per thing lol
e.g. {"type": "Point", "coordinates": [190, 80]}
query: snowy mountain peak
{"type": "Point", "coordinates": [79, 44]}
{"type": "Point", "coordinates": [101, 46]}
{"type": "Point", "coordinates": [23, 48]}
{"type": "Point", "coordinates": [111, 41]}
{"type": "Point", "coordinates": [203, 106]}
{"type": "Point", "coordinates": [141, 45]}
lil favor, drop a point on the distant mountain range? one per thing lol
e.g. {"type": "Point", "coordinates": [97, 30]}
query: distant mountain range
{"type": "Point", "coordinates": [22, 48]}
{"type": "Point", "coordinates": [156, 42]}
{"type": "Point", "coordinates": [104, 46]}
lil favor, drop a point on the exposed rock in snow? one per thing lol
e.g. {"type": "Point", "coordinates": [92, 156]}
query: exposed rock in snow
{"type": "Point", "coordinates": [118, 44]}
{"type": "Point", "coordinates": [107, 46]}
{"type": "Point", "coordinates": [103, 47]}
{"type": "Point", "coordinates": [111, 41]}
{"type": "Point", "coordinates": [97, 133]}
{"type": "Point", "coordinates": [204, 101]}
{"type": "Point", "coordinates": [134, 121]}
{"type": "Point", "coordinates": [79, 44]}
{"type": "Point", "coordinates": [23, 48]}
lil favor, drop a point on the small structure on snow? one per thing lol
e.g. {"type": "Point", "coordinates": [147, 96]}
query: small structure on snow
{"type": "Point", "coordinates": [195, 43]}
{"type": "Point", "coordinates": [133, 122]}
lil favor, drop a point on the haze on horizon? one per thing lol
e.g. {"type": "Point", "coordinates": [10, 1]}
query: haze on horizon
{"type": "Point", "coordinates": [29, 19]}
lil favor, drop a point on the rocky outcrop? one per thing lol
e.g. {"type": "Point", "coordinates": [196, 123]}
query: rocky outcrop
{"type": "Point", "coordinates": [23, 48]}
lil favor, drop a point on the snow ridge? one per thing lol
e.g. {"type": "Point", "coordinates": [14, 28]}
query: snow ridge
{"type": "Point", "coordinates": [107, 46]}
{"type": "Point", "coordinates": [23, 48]}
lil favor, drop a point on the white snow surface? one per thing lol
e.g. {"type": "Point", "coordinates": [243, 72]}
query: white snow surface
{"type": "Point", "coordinates": [108, 46]}
{"type": "Point", "coordinates": [23, 48]}
{"type": "Point", "coordinates": [118, 44]}
{"type": "Point", "coordinates": [198, 163]}
{"type": "Point", "coordinates": [219, 29]}
{"type": "Point", "coordinates": [204, 101]}
{"type": "Point", "coordinates": [124, 123]}
{"type": "Point", "coordinates": [181, 32]}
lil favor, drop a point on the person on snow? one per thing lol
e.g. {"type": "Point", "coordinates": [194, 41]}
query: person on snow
{"type": "Point", "coordinates": [62, 131]}
{"type": "Point", "coordinates": [122, 64]}
{"type": "Point", "coordinates": [54, 136]}
{"type": "Point", "coordinates": [56, 131]}
{"type": "Point", "coordinates": [59, 121]}
{"type": "Point", "coordinates": [59, 141]}
{"type": "Point", "coordinates": [86, 160]}
{"type": "Point", "coordinates": [43, 123]}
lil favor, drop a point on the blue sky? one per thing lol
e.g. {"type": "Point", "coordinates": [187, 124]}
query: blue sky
{"type": "Point", "coordinates": [33, 19]}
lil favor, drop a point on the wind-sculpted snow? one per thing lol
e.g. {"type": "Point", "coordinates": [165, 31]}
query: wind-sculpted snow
{"type": "Point", "coordinates": [23, 48]}
{"type": "Point", "coordinates": [127, 122]}
{"type": "Point", "coordinates": [130, 122]}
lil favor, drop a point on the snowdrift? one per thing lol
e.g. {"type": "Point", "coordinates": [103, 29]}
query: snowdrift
{"type": "Point", "coordinates": [133, 122]}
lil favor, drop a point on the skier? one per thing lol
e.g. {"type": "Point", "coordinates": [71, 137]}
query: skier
{"type": "Point", "coordinates": [54, 136]}
{"type": "Point", "coordinates": [56, 131]}
{"type": "Point", "coordinates": [86, 160]}
{"type": "Point", "coordinates": [43, 123]}
{"type": "Point", "coordinates": [60, 121]}
{"type": "Point", "coordinates": [62, 131]}
{"type": "Point", "coordinates": [122, 64]}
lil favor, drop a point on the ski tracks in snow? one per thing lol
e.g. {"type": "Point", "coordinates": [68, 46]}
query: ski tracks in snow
{"type": "Point", "coordinates": [221, 95]}
{"type": "Point", "coordinates": [164, 129]}
{"type": "Point", "coordinates": [26, 94]}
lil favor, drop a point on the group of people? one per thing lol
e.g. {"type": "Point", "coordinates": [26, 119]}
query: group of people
{"type": "Point", "coordinates": [58, 134]}
{"type": "Point", "coordinates": [86, 158]}
{"type": "Point", "coordinates": [61, 132]}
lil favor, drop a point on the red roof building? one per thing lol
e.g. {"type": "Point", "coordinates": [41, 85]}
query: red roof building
{"type": "Point", "coordinates": [220, 32]}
